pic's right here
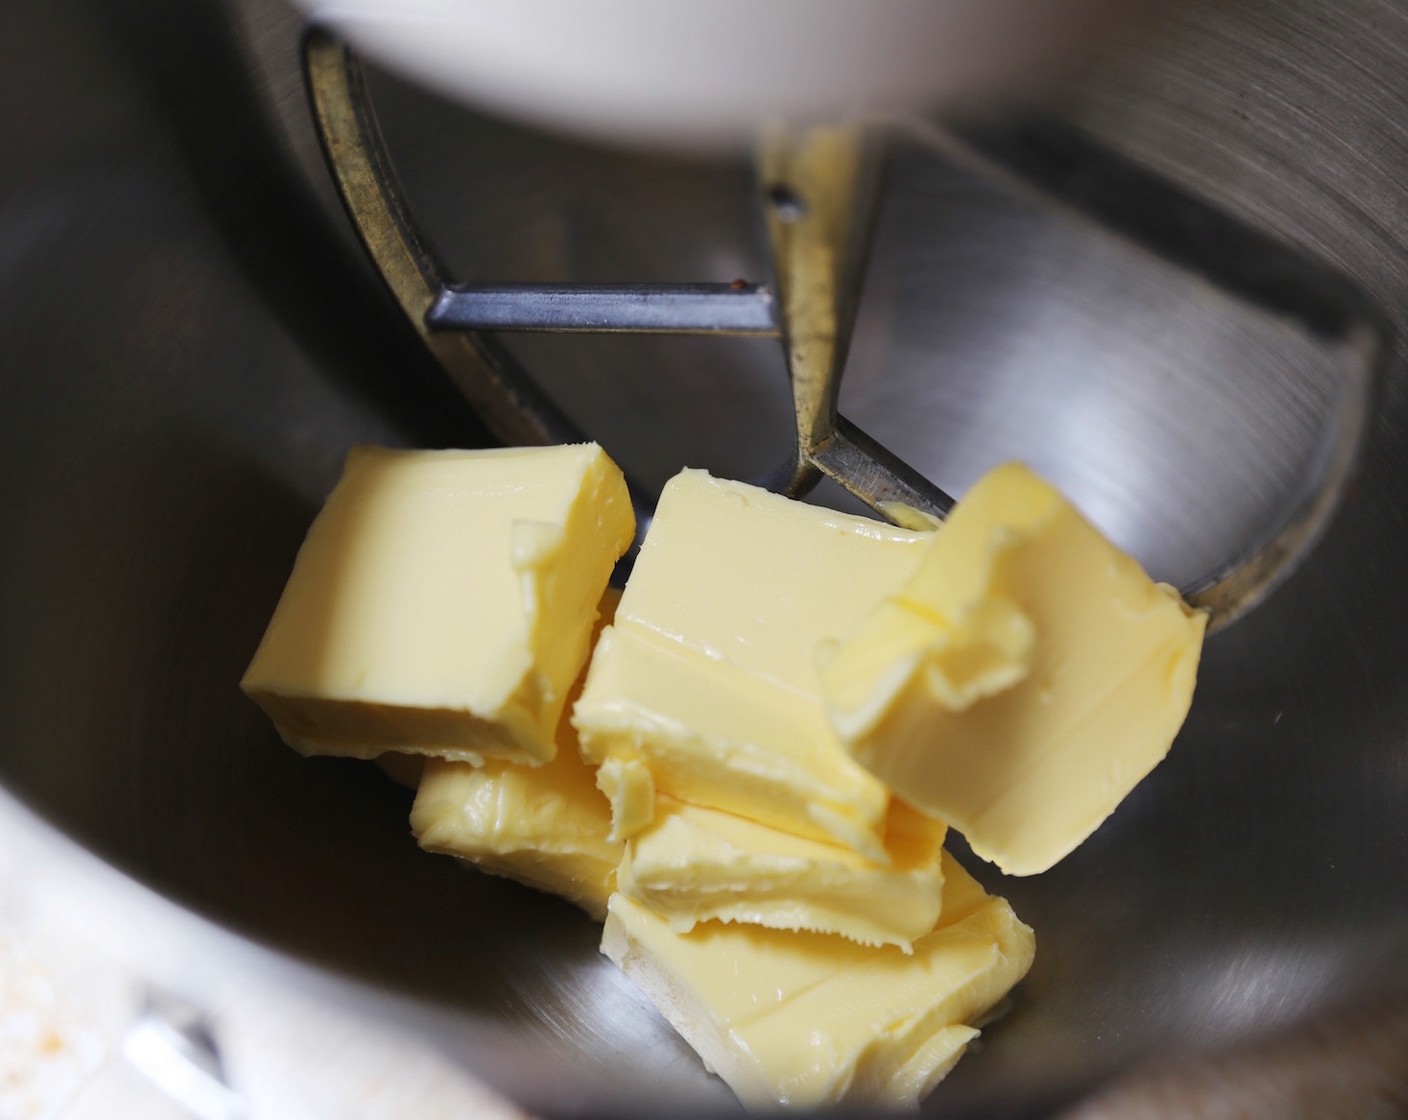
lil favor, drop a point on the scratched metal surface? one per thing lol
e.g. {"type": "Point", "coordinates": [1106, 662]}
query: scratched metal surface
{"type": "Point", "coordinates": [191, 341]}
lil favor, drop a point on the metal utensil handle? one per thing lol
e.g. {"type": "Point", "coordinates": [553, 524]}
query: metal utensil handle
{"type": "Point", "coordinates": [738, 309]}
{"type": "Point", "coordinates": [511, 404]}
{"type": "Point", "coordinates": [819, 251]}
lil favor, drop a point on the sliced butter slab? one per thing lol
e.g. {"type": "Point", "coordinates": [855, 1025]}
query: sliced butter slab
{"type": "Point", "coordinates": [658, 716]}
{"type": "Point", "coordinates": [801, 1020]}
{"type": "Point", "coordinates": [546, 826]}
{"type": "Point", "coordinates": [1024, 681]}
{"type": "Point", "coordinates": [442, 602]}
{"type": "Point", "coordinates": [694, 864]}
{"type": "Point", "coordinates": [706, 688]}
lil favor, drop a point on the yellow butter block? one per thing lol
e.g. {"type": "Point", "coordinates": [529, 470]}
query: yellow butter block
{"type": "Point", "coordinates": [801, 1020]}
{"type": "Point", "coordinates": [694, 864]}
{"type": "Point", "coordinates": [546, 826]}
{"type": "Point", "coordinates": [1024, 681]}
{"type": "Point", "coordinates": [442, 603]}
{"type": "Point", "coordinates": [706, 687]}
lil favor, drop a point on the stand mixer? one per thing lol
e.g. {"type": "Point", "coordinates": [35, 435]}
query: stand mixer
{"type": "Point", "coordinates": [818, 185]}
{"type": "Point", "coordinates": [1253, 890]}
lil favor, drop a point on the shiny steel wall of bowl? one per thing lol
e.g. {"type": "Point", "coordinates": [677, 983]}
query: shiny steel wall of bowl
{"type": "Point", "coordinates": [191, 340]}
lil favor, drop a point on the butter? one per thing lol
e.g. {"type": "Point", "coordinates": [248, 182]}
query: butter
{"type": "Point", "coordinates": [694, 864]}
{"type": "Point", "coordinates": [801, 1020]}
{"type": "Point", "coordinates": [630, 791]}
{"type": "Point", "coordinates": [545, 826]}
{"type": "Point", "coordinates": [442, 603]}
{"type": "Point", "coordinates": [706, 686]}
{"type": "Point", "coordinates": [1023, 682]}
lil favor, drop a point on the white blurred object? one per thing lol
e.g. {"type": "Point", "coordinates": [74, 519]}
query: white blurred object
{"type": "Point", "coordinates": [684, 73]}
{"type": "Point", "coordinates": [48, 1042]}
{"type": "Point", "coordinates": [86, 1035]}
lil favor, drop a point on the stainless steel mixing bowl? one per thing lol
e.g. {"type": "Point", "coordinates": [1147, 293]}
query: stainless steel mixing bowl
{"type": "Point", "coordinates": [191, 340]}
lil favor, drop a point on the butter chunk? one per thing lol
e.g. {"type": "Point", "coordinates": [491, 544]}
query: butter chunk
{"type": "Point", "coordinates": [706, 687]}
{"type": "Point", "coordinates": [442, 603]}
{"type": "Point", "coordinates": [545, 826]}
{"type": "Point", "coordinates": [1024, 681]}
{"type": "Point", "coordinates": [629, 787]}
{"type": "Point", "coordinates": [801, 1020]}
{"type": "Point", "coordinates": [695, 864]}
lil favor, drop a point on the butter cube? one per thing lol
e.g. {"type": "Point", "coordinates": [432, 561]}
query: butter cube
{"type": "Point", "coordinates": [546, 826]}
{"type": "Point", "coordinates": [694, 864]}
{"type": "Point", "coordinates": [801, 1020]}
{"type": "Point", "coordinates": [442, 603]}
{"type": "Point", "coordinates": [706, 687]}
{"type": "Point", "coordinates": [1024, 681]}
